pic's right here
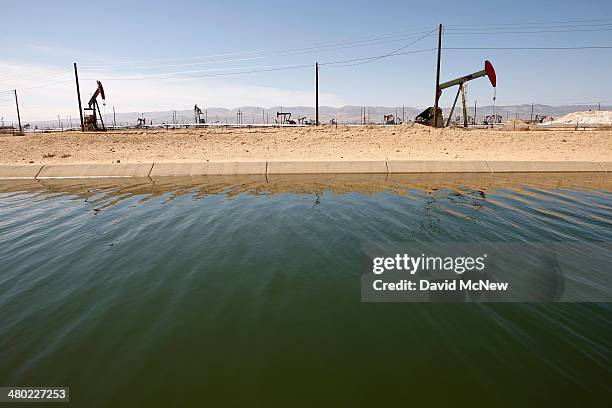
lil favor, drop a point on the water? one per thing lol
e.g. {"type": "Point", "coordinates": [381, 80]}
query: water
{"type": "Point", "coordinates": [227, 291]}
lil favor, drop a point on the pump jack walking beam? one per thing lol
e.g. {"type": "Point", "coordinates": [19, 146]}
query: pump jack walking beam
{"type": "Point", "coordinates": [488, 71]}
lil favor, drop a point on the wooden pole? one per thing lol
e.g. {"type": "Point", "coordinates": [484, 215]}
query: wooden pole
{"type": "Point", "coordinates": [465, 122]}
{"type": "Point", "coordinates": [114, 118]}
{"type": "Point", "coordinates": [317, 93]}
{"type": "Point", "coordinates": [76, 78]}
{"type": "Point", "coordinates": [437, 96]}
{"type": "Point", "coordinates": [18, 116]}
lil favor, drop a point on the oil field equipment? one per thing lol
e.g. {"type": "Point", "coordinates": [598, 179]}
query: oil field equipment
{"type": "Point", "coordinates": [198, 115]}
{"type": "Point", "coordinates": [284, 118]}
{"type": "Point", "coordinates": [493, 119]}
{"type": "Point", "coordinates": [487, 71]}
{"type": "Point", "coordinates": [427, 117]}
{"type": "Point", "coordinates": [92, 113]}
{"type": "Point", "coordinates": [391, 120]}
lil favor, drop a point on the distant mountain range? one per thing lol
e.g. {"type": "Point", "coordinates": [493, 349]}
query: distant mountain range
{"type": "Point", "coordinates": [345, 114]}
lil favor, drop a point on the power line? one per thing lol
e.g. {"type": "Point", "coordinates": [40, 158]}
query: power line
{"type": "Point", "coordinates": [281, 68]}
{"type": "Point", "coordinates": [267, 69]}
{"type": "Point", "coordinates": [263, 56]}
{"type": "Point", "coordinates": [31, 76]}
{"type": "Point", "coordinates": [391, 53]}
{"type": "Point", "coordinates": [208, 75]}
{"type": "Point", "coordinates": [529, 23]}
{"type": "Point", "coordinates": [589, 47]}
{"type": "Point", "coordinates": [525, 32]}
{"type": "Point", "coordinates": [381, 56]}
{"type": "Point", "coordinates": [532, 27]}
{"type": "Point", "coordinates": [38, 86]}
{"type": "Point", "coordinates": [334, 45]}
{"type": "Point", "coordinates": [342, 45]}
{"type": "Point", "coordinates": [344, 61]}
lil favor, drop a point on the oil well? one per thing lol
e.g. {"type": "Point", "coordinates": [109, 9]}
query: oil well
{"type": "Point", "coordinates": [92, 114]}
{"type": "Point", "coordinates": [431, 118]}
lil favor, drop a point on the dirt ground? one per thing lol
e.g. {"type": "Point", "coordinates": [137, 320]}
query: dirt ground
{"type": "Point", "coordinates": [407, 142]}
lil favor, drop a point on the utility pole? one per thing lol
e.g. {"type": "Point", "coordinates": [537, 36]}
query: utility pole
{"type": "Point", "coordinates": [114, 118]}
{"type": "Point", "coordinates": [18, 116]}
{"type": "Point", "coordinates": [76, 78]}
{"type": "Point", "coordinates": [403, 114]}
{"type": "Point", "coordinates": [59, 123]}
{"type": "Point", "coordinates": [317, 93]}
{"type": "Point", "coordinates": [474, 111]}
{"type": "Point", "coordinates": [435, 116]}
{"type": "Point", "coordinates": [531, 113]}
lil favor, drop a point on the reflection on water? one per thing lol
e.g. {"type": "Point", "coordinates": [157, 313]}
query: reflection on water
{"type": "Point", "coordinates": [246, 290]}
{"type": "Point", "coordinates": [458, 185]}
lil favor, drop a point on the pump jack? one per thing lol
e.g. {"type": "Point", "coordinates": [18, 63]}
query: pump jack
{"type": "Point", "coordinates": [284, 118]}
{"type": "Point", "coordinates": [198, 115]}
{"type": "Point", "coordinates": [488, 71]}
{"type": "Point", "coordinates": [90, 116]}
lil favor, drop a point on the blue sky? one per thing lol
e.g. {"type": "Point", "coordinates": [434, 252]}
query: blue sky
{"type": "Point", "coordinates": [155, 42]}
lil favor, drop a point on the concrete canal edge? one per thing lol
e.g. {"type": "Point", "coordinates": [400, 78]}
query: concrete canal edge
{"type": "Point", "coordinates": [102, 170]}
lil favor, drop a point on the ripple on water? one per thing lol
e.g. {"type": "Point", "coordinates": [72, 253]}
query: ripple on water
{"type": "Point", "coordinates": [188, 282]}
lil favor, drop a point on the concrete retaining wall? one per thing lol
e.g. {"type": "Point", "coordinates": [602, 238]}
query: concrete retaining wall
{"type": "Point", "coordinates": [19, 171]}
{"type": "Point", "coordinates": [326, 167]}
{"type": "Point", "coordinates": [10, 171]}
{"type": "Point", "coordinates": [95, 170]}
{"type": "Point", "coordinates": [208, 168]}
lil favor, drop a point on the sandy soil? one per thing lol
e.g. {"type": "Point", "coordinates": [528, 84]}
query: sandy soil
{"type": "Point", "coordinates": [405, 142]}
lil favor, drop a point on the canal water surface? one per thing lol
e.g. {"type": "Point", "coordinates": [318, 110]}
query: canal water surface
{"type": "Point", "coordinates": [227, 291]}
